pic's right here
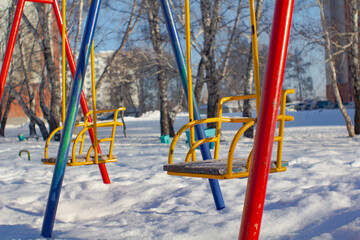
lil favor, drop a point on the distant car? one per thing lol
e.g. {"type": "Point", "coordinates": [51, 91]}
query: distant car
{"type": "Point", "coordinates": [306, 106]}
{"type": "Point", "coordinates": [322, 104]}
{"type": "Point", "coordinates": [290, 107]}
{"type": "Point", "coordinates": [109, 116]}
{"type": "Point", "coordinates": [299, 106]}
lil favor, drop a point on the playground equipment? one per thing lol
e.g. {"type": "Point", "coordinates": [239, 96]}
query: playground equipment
{"type": "Point", "coordinates": [77, 96]}
{"type": "Point", "coordinates": [258, 164]}
{"type": "Point", "coordinates": [69, 55]}
{"type": "Point", "coordinates": [25, 151]}
{"type": "Point", "coordinates": [230, 167]}
{"type": "Point", "coordinates": [69, 122]}
{"type": "Point", "coordinates": [85, 159]}
{"type": "Point", "coordinates": [184, 71]}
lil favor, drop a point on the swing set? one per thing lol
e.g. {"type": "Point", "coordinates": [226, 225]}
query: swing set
{"type": "Point", "coordinates": [90, 124]}
{"type": "Point", "coordinates": [256, 166]}
{"type": "Point", "coordinates": [84, 159]}
{"type": "Point", "coordinates": [230, 167]}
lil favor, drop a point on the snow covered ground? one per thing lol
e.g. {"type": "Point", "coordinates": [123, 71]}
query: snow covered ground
{"type": "Point", "coordinates": [317, 198]}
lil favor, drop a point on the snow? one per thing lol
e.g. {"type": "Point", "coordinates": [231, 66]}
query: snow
{"type": "Point", "coordinates": [318, 197]}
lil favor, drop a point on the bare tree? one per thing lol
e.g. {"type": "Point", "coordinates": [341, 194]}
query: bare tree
{"type": "Point", "coordinates": [44, 41]}
{"type": "Point", "coordinates": [4, 118]}
{"type": "Point", "coordinates": [333, 76]}
{"type": "Point", "coordinates": [352, 6]}
{"type": "Point", "coordinates": [153, 18]}
{"type": "Point", "coordinates": [297, 67]}
{"type": "Point", "coordinates": [130, 26]}
{"type": "Point", "coordinates": [6, 105]}
{"type": "Point", "coordinates": [211, 70]}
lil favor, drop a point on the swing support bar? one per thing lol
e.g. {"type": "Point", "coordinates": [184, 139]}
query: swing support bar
{"type": "Point", "coordinates": [199, 129]}
{"type": "Point", "coordinates": [266, 126]}
{"type": "Point", "coordinates": [64, 147]}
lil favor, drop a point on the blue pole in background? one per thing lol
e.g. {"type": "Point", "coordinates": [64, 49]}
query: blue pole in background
{"type": "Point", "coordinates": [72, 108]}
{"type": "Point", "coordinates": [199, 129]}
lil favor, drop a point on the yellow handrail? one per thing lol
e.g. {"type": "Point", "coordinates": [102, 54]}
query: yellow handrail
{"type": "Point", "coordinates": [234, 142]}
{"type": "Point", "coordinates": [255, 55]}
{"type": "Point", "coordinates": [80, 138]}
{"type": "Point", "coordinates": [282, 118]}
{"type": "Point", "coordinates": [52, 135]}
{"type": "Point", "coordinates": [189, 77]}
{"type": "Point", "coordinates": [63, 61]}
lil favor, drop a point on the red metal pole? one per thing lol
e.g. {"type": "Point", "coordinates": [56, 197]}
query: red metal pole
{"type": "Point", "coordinates": [41, 1]}
{"type": "Point", "coordinates": [83, 103]}
{"type": "Point", "coordinates": [265, 129]}
{"type": "Point", "coordinates": [10, 45]}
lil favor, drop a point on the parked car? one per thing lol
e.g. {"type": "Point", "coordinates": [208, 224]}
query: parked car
{"type": "Point", "coordinates": [109, 116]}
{"type": "Point", "coordinates": [322, 104]}
{"type": "Point", "coordinates": [299, 106]}
{"type": "Point", "coordinates": [290, 107]}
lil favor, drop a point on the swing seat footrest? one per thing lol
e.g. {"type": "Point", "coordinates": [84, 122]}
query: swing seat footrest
{"type": "Point", "coordinates": [81, 160]}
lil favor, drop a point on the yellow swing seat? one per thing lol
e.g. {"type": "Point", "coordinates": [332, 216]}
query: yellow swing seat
{"type": "Point", "coordinates": [230, 167]}
{"type": "Point", "coordinates": [209, 168]}
{"type": "Point", "coordinates": [89, 157]}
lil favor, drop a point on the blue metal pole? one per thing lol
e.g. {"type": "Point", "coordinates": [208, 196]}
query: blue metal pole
{"type": "Point", "coordinates": [69, 124]}
{"type": "Point", "coordinates": [199, 129]}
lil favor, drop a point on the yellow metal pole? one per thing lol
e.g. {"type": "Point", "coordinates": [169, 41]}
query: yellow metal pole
{"type": "Point", "coordinates": [93, 92]}
{"type": "Point", "coordinates": [190, 92]}
{"type": "Point", "coordinates": [63, 61]}
{"type": "Point", "coordinates": [255, 54]}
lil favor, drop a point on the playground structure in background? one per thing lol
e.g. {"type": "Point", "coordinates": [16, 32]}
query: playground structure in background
{"type": "Point", "coordinates": [68, 121]}
{"type": "Point", "coordinates": [258, 163]}
{"type": "Point", "coordinates": [85, 159]}
{"type": "Point", "coordinates": [66, 47]}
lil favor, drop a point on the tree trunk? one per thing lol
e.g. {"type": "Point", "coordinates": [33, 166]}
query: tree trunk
{"type": "Point", "coordinates": [55, 101]}
{"type": "Point", "coordinates": [6, 113]}
{"type": "Point", "coordinates": [79, 25]}
{"type": "Point", "coordinates": [45, 44]}
{"type": "Point", "coordinates": [333, 76]}
{"type": "Point", "coordinates": [30, 114]}
{"type": "Point", "coordinates": [210, 23]}
{"type": "Point", "coordinates": [3, 117]}
{"type": "Point", "coordinates": [248, 83]}
{"type": "Point", "coordinates": [27, 77]}
{"type": "Point", "coordinates": [174, 112]}
{"type": "Point", "coordinates": [214, 96]}
{"type": "Point", "coordinates": [199, 80]}
{"type": "Point", "coordinates": [164, 122]}
{"type": "Point", "coordinates": [44, 108]}
{"type": "Point", "coordinates": [354, 60]}
{"type": "Point", "coordinates": [154, 26]}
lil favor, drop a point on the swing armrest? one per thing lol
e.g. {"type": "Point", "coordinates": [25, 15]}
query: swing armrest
{"type": "Point", "coordinates": [115, 110]}
{"type": "Point", "coordinates": [215, 139]}
{"type": "Point", "coordinates": [52, 134]}
{"type": "Point", "coordinates": [232, 98]}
